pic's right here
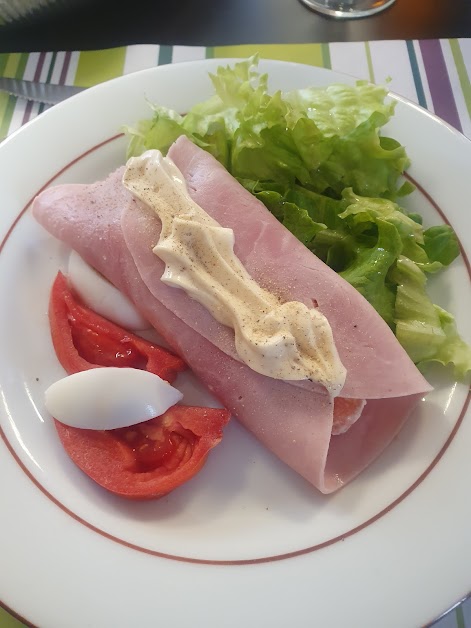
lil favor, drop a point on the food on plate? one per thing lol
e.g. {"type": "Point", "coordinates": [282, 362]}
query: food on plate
{"type": "Point", "coordinates": [109, 398]}
{"type": "Point", "coordinates": [101, 296]}
{"type": "Point", "coordinates": [279, 338]}
{"type": "Point", "coordinates": [147, 460]}
{"type": "Point", "coordinates": [142, 460]}
{"type": "Point", "coordinates": [319, 161]}
{"type": "Point", "coordinates": [326, 435]}
{"type": "Point", "coordinates": [83, 339]}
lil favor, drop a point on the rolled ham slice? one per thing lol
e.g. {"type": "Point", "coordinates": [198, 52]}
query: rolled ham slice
{"type": "Point", "coordinates": [115, 233]}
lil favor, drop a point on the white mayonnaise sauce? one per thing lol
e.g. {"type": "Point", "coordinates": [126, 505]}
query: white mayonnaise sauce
{"type": "Point", "coordinates": [287, 341]}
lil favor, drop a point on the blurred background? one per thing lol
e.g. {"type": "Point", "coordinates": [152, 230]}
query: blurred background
{"type": "Point", "coordinates": [92, 24]}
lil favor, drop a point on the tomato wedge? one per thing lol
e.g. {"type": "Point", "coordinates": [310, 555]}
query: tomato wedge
{"type": "Point", "coordinates": [151, 459]}
{"type": "Point", "coordinates": [147, 460]}
{"type": "Point", "coordinates": [83, 339]}
{"type": "Point", "coordinates": [346, 412]}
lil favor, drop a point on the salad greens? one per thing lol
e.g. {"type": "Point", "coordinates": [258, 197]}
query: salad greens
{"type": "Point", "coordinates": [317, 160]}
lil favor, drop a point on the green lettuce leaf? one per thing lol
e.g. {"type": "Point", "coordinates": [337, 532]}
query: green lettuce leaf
{"type": "Point", "coordinates": [339, 109]}
{"type": "Point", "coordinates": [364, 212]}
{"type": "Point", "coordinates": [369, 270]}
{"type": "Point", "coordinates": [441, 244]}
{"type": "Point", "coordinates": [288, 137]}
{"type": "Point", "coordinates": [426, 331]}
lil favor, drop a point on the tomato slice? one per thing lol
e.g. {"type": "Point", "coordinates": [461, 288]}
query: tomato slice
{"type": "Point", "coordinates": [83, 339]}
{"type": "Point", "coordinates": [151, 459]}
{"type": "Point", "coordinates": [147, 460]}
{"type": "Point", "coordinates": [346, 412]}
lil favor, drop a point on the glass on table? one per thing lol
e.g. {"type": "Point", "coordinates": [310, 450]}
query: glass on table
{"type": "Point", "coordinates": [348, 8]}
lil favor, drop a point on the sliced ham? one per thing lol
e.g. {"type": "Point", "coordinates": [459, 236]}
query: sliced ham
{"type": "Point", "coordinates": [114, 232]}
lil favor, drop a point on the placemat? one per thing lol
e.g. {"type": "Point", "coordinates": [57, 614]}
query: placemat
{"type": "Point", "coordinates": [432, 73]}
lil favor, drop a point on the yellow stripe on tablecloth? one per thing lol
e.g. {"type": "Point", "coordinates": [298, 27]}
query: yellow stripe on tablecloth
{"type": "Point", "coordinates": [97, 66]}
{"type": "Point", "coordinates": [311, 54]}
{"type": "Point", "coordinates": [7, 621]}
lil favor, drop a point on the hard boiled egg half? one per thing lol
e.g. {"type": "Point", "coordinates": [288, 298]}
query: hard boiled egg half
{"type": "Point", "coordinates": [102, 297]}
{"type": "Point", "coordinates": [108, 398]}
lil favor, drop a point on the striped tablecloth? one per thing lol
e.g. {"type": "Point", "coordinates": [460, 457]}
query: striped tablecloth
{"type": "Point", "coordinates": [433, 73]}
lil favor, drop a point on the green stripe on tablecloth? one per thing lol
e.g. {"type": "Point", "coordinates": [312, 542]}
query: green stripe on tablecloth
{"type": "Point", "coordinates": [7, 106]}
{"type": "Point", "coordinates": [462, 72]}
{"type": "Point", "coordinates": [96, 66]}
{"type": "Point", "coordinates": [369, 62]}
{"type": "Point", "coordinates": [310, 54]}
{"type": "Point", "coordinates": [460, 622]}
{"type": "Point", "coordinates": [210, 52]}
{"type": "Point", "coordinates": [326, 56]}
{"type": "Point", "coordinates": [51, 67]}
{"type": "Point", "coordinates": [419, 88]}
{"type": "Point", "coordinates": [22, 61]}
{"type": "Point", "coordinates": [165, 55]}
{"type": "Point", "coordinates": [14, 64]}
{"type": "Point", "coordinates": [3, 61]}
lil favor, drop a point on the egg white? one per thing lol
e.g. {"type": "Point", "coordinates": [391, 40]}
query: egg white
{"type": "Point", "coordinates": [101, 296]}
{"type": "Point", "coordinates": [109, 398]}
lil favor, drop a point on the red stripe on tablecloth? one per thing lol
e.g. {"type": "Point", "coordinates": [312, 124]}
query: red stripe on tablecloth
{"type": "Point", "coordinates": [65, 67]}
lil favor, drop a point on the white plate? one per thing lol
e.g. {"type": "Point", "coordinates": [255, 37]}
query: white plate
{"type": "Point", "coordinates": [247, 542]}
